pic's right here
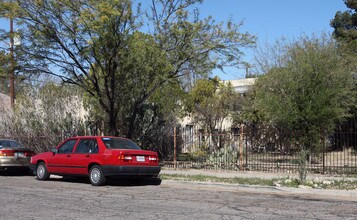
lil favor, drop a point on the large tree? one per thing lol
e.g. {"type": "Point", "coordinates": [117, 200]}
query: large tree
{"type": "Point", "coordinates": [345, 25]}
{"type": "Point", "coordinates": [98, 45]}
{"type": "Point", "coordinates": [3, 73]}
{"type": "Point", "coordinates": [309, 92]}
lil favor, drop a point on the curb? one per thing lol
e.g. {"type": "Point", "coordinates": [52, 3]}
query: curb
{"type": "Point", "coordinates": [347, 195]}
{"type": "Point", "coordinates": [331, 194]}
{"type": "Point", "coordinates": [252, 174]}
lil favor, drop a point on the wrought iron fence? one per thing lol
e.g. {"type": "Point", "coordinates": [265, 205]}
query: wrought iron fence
{"type": "Point", "coordinates": [249, 148]}
{"type": "Point", "coordinates": [264, 150]}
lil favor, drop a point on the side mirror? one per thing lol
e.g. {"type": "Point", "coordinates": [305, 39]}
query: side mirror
{"type": "Point", "coordinates": [54, 151]}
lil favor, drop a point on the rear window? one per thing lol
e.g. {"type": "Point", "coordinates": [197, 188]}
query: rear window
{"type": "Point", "coordinates": [119, 143]}
{"type": "Point", "coordinates": [10, 144]}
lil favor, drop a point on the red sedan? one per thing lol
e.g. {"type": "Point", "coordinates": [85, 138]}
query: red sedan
{"type": "Point", "coordinates": [97, 157]}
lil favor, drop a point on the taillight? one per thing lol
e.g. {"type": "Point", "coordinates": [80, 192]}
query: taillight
{"type": "Point", "coordinates": [125, 158]}
{"type": "Point", "coordinates": [153, 159]}
{"type": "Point", "coordinates": [128, 158]}
{"type": "Point", "coordinates": [6, 153]}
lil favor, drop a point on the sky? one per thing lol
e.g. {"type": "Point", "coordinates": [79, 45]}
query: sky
{"type": "Point", "coordinates": [269, 20]}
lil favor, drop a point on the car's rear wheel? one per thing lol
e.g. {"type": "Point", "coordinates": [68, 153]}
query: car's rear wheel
{"type": "Point", "coordinates": [96, 176]}
{"type": "Point", "coordinates": [41, 172]}
{"type": "Point", "coordinates": [156, 181]}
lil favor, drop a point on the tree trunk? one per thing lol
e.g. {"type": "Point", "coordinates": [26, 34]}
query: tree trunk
{"type": "Point", "coordinates": [214, 136]}
{"type": "Point", "coordinates": [112, 129]}
{"type": "Point", "coordinates": [131, 128]}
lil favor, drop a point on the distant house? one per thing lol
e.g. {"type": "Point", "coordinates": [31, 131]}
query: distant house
{"type": "Point", "coordinates": [192, 132]}
{"type": "Point", "coordinates": [241, 85]}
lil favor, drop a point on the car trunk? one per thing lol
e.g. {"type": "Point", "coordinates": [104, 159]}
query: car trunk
{"type": "Point", "coordinates": [134, 157]}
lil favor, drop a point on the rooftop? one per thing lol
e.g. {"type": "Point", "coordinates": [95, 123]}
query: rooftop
{"type": "Point", "coordinates": [241, 85]}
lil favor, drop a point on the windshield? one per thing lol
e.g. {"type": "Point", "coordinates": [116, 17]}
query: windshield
{"type": "Point", "coordinates": [119, 143]}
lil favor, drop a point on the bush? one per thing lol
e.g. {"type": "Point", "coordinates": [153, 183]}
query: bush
{"type": "Point", "coordinates": [224, 157]}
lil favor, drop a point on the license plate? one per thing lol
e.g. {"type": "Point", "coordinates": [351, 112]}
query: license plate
{"type": "Point", "coordinates": [140, 158]}
{"type": "Point", "coordinates": [19, 154]}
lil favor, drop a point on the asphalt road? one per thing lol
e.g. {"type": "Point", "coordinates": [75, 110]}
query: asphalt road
{"type": "Point", "coordinates": [23, 197]}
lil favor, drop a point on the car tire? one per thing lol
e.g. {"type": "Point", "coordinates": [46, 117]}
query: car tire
{"type": "Point", "coordinates": [155, 181]}
{"type": "Point", "coordinates": [42, 172]}
{"type": "Point", "coordinates": [96, 176]}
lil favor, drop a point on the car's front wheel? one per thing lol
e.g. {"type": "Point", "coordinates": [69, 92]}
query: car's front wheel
{"type": "Point", "coordinates": [96, 176]}
{"type": "Point", "coordinates": [41, 172]}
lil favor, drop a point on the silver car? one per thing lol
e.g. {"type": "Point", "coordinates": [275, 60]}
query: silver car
{"type": "Point", "coordinates": [14, 155]}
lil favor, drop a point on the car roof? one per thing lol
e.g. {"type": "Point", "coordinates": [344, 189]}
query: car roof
{"type": "Point", "coordinates": [77, 137]}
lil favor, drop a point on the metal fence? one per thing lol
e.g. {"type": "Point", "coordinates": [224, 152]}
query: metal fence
{"type": "Point", "coordinates": [245, 148]}
{"type": "Point", "coordinates": [264, 150]}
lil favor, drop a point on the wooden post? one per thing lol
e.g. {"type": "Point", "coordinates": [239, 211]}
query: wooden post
{"type": "Point", "coordinates": [323, 156]}
{"type": "Point", "coordinates": [241, 133]}
{"type": "Point", "coordinates": [175, 149]}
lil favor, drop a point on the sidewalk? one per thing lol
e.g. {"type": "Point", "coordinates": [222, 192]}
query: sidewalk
{"type": "Point", "coordinates": [251, 174]}
{"type": "Point", "coordinates": [330, 194]}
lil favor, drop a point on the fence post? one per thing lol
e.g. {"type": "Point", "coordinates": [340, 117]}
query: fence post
{"type": "Point", "coordinates": [241, 147]}
{"type": "Point", "coordinates": [175, 149]}
{"type": "Point", "coordinates": [323, 155]}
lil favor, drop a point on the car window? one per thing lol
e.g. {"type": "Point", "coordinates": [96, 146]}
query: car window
{"type": "Point", "coordinates": [9, 144]}
{"type": "Point", "coordinates": [4, 144]}
{"type": "Point", "coordinates": [87, 146]}
{"type": "Point", "coordinates": [120, 143]}
{"type": "Point", "coordinates": [67, 147]}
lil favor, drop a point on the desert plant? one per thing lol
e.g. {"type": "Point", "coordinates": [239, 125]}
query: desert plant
{"type": "Point", "coordinates": [224, 157]}
{"type": "Point", "coordinates": [303, 157]}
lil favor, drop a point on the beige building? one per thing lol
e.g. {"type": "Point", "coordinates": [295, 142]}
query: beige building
{"type": "Point", "coordinates": [191, 131]}
{"type": "Point", "coordinates": [241, 85]}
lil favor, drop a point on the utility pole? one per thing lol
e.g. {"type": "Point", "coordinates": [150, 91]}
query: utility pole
{"type": "Point", "coordinates": [12, 64]}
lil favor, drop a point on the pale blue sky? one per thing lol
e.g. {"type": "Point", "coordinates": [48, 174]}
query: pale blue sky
{"type": "Point", "coordinates": [269, 20]}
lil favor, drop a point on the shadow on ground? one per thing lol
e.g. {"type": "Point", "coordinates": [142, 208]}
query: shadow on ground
{"type": "Point", "coordinates": [112, 181]}
{"type": "Point", "coordinates": [16, 172]}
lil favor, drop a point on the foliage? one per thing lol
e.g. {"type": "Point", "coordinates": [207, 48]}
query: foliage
{"type": "Point", "coordinates": [345, 32]}
{"type": "Point", "coordinates": [100, 46]}
{"type": "Point", "coordinates": [302, 162]}
{"type": "Point", "coordinates": [3, 73]}
{"type": "Point", "coordinates": [210, 102]}
{"type": "Point", "coordinates": [44, 115]}
{"type": "Point", "coordinates": [345, 25]}
{"type": "Point", "coordinates": [309, 93]}
{"type": "Point", "coordinates": [194, 156]}
{"type": "Point", "coordinates": [224, 156]}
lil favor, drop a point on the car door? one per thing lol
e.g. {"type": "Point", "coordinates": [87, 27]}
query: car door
{"type": "Point", "coordinates": [60, 162]}
{"type": "Point", "coordinates": [85, 152]}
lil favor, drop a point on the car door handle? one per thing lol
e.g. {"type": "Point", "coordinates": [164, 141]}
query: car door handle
{"type": "Point", "coordinates": [87, 155]}
{"type": "Point", "coordinates": [68, 155]}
